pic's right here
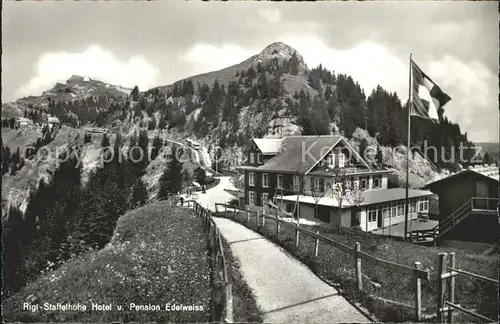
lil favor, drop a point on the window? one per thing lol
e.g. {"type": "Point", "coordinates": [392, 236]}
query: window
{"type": "Point", "coordinates": [401, 210]}
{"type": "Point", "coordinates": [341, 160]}
{"type": "Point", "coordinates": [372, 214]}
{"type": "Point", "coordinates": [265, 180]}
{"type": "Point", "coordinates": [331, 160]}
{"type": "Point", "coordinates": [252, 158]}
{"type": "Point", "coordinates": [296, 182]}
{"type": "Point", "coordinates": [413, 206]}
{"type": "Point", "coordinates": [319, 184]}
{"type": "Point", "coordinates": [259, 158]}
{"type": "Point", "coordinates": [363, 183]}
{"type": "Point", "coordinates": [251, 198]}
{"type": "Point", "coordinates": [279, 181]}
{"type": "Point", "coordinates": [377, 182]}
{"type": "Point", "coordinates": [251, 179]}
{"type": "Point", "coordinates": [386, 211]}
{"type": "Point", "coordinates": [393, 210]}
{"type": "Point", "coordinates": [265, 198]}
{"type": "Point", "coordinates": [423, 205]}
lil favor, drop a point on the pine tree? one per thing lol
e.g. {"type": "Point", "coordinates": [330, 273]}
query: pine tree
{"type": "Point", "coordinates": [139, 194]}
{"type": "Point", "coordinates": [363, 145]}
{"type": "Point", "coordinates": [135, 93]}
{"type": "Point", "coordinates": [171, 179]}
{"type": "Point", "coordinates": [156, 146]}
{"type": "Point", "coordinates": [13, 278]}
{"type": "Point", "coordinates": [294, 64]}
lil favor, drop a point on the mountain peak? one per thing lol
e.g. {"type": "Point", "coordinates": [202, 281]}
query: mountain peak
{"type": "Point", "coordinates": [75, 79]}
{"type": "Point", "coordinates": [279, 50]}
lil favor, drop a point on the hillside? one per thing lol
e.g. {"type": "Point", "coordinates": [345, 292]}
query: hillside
{"type": "Point", "coordinates": [145, 262]}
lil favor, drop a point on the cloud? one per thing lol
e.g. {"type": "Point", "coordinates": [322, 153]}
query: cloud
{"type": "Point", "coordinates": [94, 62]}
{"type": "Point", "coordinates": [473, 90]}
{"type": "Point", "coordinates": [272, 16]}
{"type": "Point", "coordinates": [207, 57]}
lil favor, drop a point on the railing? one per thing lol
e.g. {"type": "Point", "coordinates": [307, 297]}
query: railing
{"type": "Point", "coordinates": [484, 204]}
{"type": "Point", "coordinates": [475, 204]}
{"type": "Point", "coordinates": [424, 235]}
{"type": "Point", "coordinates": [444, 226]}
{"type": "Point", "coordinates": [222, 300]}
{"type": "Point", "coordinates": [446, 284]}
{"type": "Point", "coordinates": [416, 271]}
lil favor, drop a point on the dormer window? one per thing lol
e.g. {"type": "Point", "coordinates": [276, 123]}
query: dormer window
{"type": "Point", "coordinates": [341, 160]}
{"type": "Point", "coordinates": [331, 160]}
{"type": "Point", "coordinates": [252, 158]}
{"type": "Point", "coordinates": [259, 158]}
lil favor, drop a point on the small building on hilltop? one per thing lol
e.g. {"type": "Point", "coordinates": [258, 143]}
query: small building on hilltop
{"type": "Point", "coordinates": [53, 122]}
{"type": "Point", "coordinates": [23, 122]}
{"type": "Point", "coordinates": [468, 202]}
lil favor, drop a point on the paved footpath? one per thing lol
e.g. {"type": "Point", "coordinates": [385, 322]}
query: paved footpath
{"type": "Point", "coordinates": [285, 289]}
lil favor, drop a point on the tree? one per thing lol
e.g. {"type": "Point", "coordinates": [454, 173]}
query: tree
{"type": "Point", "coordinates": [171, 179]}
{"type": "Point", "coordinates": [294, 64]}
{"type": "Point", "coordinates": [139, 194]}
{"type": "Point", "coordinates": [135, 93]}
{"type": "Point", "coordinates": [200, 175]}
{"type": "Point", "coordinates": [13, 278]}
{"type": "Point", "coordinates": [379, 157]}
{"type": "Point", "coordinates": [162, 123]}
{"type": "Point", "coordinates": [343, 189]}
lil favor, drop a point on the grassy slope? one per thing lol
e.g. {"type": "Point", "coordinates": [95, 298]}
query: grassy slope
{"type": "Point", "coordinates": [158, 255]}
{"type": "Point", "coordinates": [337, 266]}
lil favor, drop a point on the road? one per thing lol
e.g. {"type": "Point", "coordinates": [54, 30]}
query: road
{"type": "Point", "coordinates": [216, 194]}
{"type": "Point", "coordinates": [285, 289]}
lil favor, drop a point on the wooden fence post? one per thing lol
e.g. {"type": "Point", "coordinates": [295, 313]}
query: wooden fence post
{"type": "Point", "coordinates": [257, 219]}
{"type": "Point", "coordinates": [216, 210]}
{"type": "Point", "coordinates": [451, 281]}
{"type": "Point", "coordinates": [225, 210]}
{"type": "Point", "coordinates": [316, 245]}
{"type": "Point", "coordinates": [441, 287]}
{"type": "Point", "coordinates": [263, 218]}
{"type": "Point", "coordinates": [234, 215]}
{"type": "Point", "coordinates": [248, 217]}
{"type": "Point", "coordinates": [297, 235]}
{"type": "Point", "coordinates": [418, 294]}
{"type": "Point", "coordinates": [229, 303]}
{"type": "Point", "coordinates": [277, 227]}
{"type": "Point", "coordinates": [359, 274]}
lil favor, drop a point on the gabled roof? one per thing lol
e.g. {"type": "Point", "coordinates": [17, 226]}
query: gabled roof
{"type": "Point", "coordinates": [268, 146]}
{"type": "Point", "coordinates": [490, 172]}
{"type": "Point", "coordinates": [298, 154]}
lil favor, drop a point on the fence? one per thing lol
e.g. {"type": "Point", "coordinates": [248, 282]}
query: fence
{"type": "Point", "coordinates": [416, 272]}
{"type": "Point", "coordinates": [222, 306]}
{"type": "Point", "coordinates": [447, 274]}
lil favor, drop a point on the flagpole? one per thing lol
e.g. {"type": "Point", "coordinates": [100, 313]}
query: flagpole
{"type": "Point", "coordinates": [408, 148]}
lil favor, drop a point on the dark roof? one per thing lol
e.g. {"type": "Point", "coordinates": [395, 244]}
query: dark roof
{"type": "Point", "coordinates": [490, 172]}
{"type": "Point", "coordinates": [293, 156]}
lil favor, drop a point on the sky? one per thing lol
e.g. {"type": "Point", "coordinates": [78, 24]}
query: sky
{"type": "Point", "coordinates": [156, 43]}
